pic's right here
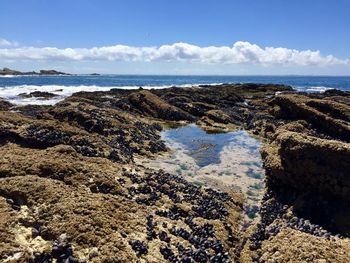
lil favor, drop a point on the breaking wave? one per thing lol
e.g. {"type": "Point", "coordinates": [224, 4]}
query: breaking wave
{"type": "Point", "coordinates": [13, 93]}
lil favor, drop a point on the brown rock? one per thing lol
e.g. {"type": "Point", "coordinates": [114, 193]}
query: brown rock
{"type": "Point", "coordinates": [150, 104]}
{"type": "Point", "coordinates": [5, 105]}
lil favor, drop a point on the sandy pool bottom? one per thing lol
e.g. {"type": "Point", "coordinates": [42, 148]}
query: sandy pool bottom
{"type": "Point", "coordinates": [221, 161]}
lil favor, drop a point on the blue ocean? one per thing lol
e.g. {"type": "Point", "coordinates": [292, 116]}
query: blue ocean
{"type": "Point", "coordinates": [63, 86]}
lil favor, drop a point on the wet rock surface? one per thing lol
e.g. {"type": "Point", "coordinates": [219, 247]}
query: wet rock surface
{"type": "Point", "coordinates": [70, 190]}
{"type": "Point", "coordinates": [5, 105]}
{"type": "Point", "coordinates": [38, 94]}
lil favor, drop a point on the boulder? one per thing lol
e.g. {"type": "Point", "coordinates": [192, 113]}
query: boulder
{"type": "Point", "coordinates": [151, 105]}
{"type": "Point", "coordinates": [38, 94]}
{"type": "Point", "coordinates": [218, 116]}
{"type": "Point", "coordinates": [330, 117]}
{"type": "Point", "coordinates": [5, 105]}
{"type": "Point", "coordinates": [307, 161]}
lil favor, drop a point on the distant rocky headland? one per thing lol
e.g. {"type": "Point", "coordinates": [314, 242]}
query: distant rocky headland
{"type": "Point", "coordinates": [74, 188]}
{"type": "Point", "coordinates": [7, 71]}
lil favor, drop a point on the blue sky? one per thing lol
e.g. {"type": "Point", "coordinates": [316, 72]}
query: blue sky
{"type": "Point", "coordinates": [321, 25]}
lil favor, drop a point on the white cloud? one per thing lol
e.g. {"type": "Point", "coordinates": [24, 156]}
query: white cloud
{"type": "Point", "coordinates": [240, 53]}
{"type": "Point", "coordinates": [7, 43]}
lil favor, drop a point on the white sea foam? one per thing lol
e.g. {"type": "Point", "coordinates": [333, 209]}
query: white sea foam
{"type": "Point", "coordinates": [314, 89]}
{"type": "Point", "coordinates": [8, 76]}
{"type": "Point", "coordinates": [11, 93]}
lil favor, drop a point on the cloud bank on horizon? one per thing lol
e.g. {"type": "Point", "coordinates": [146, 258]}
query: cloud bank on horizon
{"type": "Point", "coordinates": [240, 53]}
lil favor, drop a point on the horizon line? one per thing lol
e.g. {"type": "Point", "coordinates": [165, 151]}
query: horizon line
{"type": "Point", "coordinates": [214, 75]}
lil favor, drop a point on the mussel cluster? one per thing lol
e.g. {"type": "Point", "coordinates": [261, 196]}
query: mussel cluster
{"type": "Point", "coordinates": [203, 203]}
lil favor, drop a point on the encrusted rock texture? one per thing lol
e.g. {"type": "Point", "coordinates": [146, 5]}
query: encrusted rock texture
{"type": "Point", "coordinates": [305, 213]}
{"type": "Point", "coordinates": [71, 191]}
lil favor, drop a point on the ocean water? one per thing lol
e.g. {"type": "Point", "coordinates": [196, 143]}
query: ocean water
{"type": "Point", "coordinates": [63, 86]}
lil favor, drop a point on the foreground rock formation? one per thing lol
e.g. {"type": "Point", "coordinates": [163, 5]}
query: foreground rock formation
{"type": "Point", "coordinates": [311, 156]}
{"type": "Point", "coordinates": [71, 191]}
{"type": "Point", "coordinates": [306, 209]}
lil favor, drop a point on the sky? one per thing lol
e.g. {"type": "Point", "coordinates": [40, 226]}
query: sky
{"type": "Point", "coordinates": [200, 37]}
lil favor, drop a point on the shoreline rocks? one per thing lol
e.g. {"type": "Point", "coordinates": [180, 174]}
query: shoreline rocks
{"type": "Point", "coordinates": [51, 72]}
{"type": "Point", "coordinates": [305, 211]}
{"type": "Point", "coordinates": [69, 186]}
{"type": "Point", "coordinates": [38, 94]}
{"type": "Point", "coordinates": [311, 157]}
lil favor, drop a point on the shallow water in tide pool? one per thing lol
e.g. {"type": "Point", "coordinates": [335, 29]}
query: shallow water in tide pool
{"type": "Point", "coordinates": [221, 160]}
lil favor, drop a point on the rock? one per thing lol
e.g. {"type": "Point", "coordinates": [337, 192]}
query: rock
{"type": "Point", "coordinates": [328, 116]}
{"type": "Point", "coordinates": [308, 155]}
{"type": "Point", "coordinates": [138, 247]}
{"type": "Point", "coordinates": [218, 116]}
{"type": "Point", "coordinates": [38, 94]}
{"type": "Point", "coordinates": [150, 104]}
{"type": "Point", "coordinates": [51, 72]}
{"type": "Point", "coordinates": [111, 137]}
{"type": "Point", "coordinates": [70, 174]}
{"type": "Point", "coordinates": [314, 168]}
{"type": "Point", "coordinates": [35, 232]}
{"type": "Point", "coordinates": [5, 105]}
{"type": "Point", "coordinates": [7, 71]}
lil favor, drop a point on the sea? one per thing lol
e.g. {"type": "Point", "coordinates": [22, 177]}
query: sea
{"type": "Point", "coordinates": [64, 86]}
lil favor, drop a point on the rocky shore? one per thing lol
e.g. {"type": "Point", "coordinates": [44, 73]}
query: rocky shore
{"type": "Point", "coordinates": [43, 72]}
{"type": "Point", "coordinates": [71, 191]}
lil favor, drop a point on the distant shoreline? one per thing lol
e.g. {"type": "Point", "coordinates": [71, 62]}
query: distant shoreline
{"type": "Point", "coordinates": [42, 72]}
{"type": "Point", "coordinates": [7, 71]}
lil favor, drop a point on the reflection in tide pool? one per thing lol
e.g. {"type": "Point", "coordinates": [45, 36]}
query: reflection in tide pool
{"type": "Point", "coordinates": [206, 148]}
{"type": "Point", "coordinates": [223, 160]}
